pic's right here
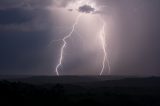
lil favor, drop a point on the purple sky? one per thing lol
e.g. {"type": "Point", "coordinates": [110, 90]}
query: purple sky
{"type": "Point", "coordinates": [28, 26]}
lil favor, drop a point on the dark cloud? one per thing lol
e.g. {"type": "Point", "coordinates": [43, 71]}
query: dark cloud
{"type": "Point", "coordinates": [27, 4]}
{"type": "Point", "coordinates": [32, 16]}
{"type": "Point", "coordinates": [27, 15]}
{"type": "Point", "coordinates": [86, 9]}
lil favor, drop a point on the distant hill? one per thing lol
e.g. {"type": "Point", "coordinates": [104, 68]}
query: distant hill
{"type": "Point", "coordinates": [111, 81]}
{"type": "Point", "coordinates": [80, 90]}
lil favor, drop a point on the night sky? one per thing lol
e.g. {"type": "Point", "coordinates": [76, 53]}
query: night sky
{"type": "Point", "coordinates": [27, 27]}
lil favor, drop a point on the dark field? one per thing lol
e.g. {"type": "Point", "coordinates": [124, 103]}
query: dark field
{"type": "Point", "coordinates": [79, 91]}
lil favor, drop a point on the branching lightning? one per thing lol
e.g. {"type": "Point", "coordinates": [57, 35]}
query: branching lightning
{"type": "Point", "coordinates": [65, 43]}
{"type": "Point", "coordinates": [103, 42]}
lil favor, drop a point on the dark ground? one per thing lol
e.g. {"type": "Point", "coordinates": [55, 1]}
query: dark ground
{"type": "Point", "coordinates": [79, 91]}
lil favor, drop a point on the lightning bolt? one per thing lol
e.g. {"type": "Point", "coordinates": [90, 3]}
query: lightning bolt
{"type": "Point", "coordinates": [104, 45]}
{"type": "Point", "coordinates": [65, 43]}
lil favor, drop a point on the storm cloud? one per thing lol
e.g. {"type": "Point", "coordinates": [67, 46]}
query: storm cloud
{"type": "Point", "coordinates": [27, 27]}
{"type": "Point", "coordinates": [86, 9]}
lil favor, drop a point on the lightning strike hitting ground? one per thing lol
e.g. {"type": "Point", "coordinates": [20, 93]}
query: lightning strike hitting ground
{"type": "Point", "coordinates": [65, 43]}
{"type": "Point", "coordinates": [105, 58]}
{"type": "Point", "coordinates": [86, 7]}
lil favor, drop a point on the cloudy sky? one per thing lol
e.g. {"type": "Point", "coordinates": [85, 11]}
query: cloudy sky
{"type": "Point", "coordinates": [31, 33]}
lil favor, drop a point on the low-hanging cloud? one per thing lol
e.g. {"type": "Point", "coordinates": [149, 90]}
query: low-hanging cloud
{"type": "Point", "coordinates": [86, 9]}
